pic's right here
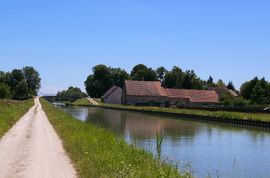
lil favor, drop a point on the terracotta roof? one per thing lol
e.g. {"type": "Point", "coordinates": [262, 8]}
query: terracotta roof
{"type": "Point", "coordinates": [110, 91]}
{"type": "Point", "coordinates": [195, 96]}
{"type": "Point", "coordinates": [223, 90]}
{"type": "Point", "coordinates": [145, 88]}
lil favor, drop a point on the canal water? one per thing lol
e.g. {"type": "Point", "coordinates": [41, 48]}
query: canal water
{"type": "Point", "coordinates": [208, 149]}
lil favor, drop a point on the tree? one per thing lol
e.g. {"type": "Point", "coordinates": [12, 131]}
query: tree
{"type": "Point", "coordinates": [160, 73]}
{"type": "Point", "coordinates": [174, 78]}
{"type": "Point", "coordinates": [21, 91]}
{"type": "Point", "coordinates": [191, 81]}
{"type": "Point", "coordinates": [118, 76]}
{"type": "Point", "coordinates": [99, 82]}
{"type": "Point", "coordinates": [4, 91]}
{"type": "Point", "coordinates": [71, 94]}
{"type": "Point", "coordinates": [256, 90]}
{"type": "Point", "coordinates": [2, 77]}
{"type": "Point", "coordinates": [231, 86]}
{"type": "Point", "coordinates": [32, 79]}
{"type": "Point", "coordinates": [142, 72]}
{"type": "Point", "coordinates": [220, 83]}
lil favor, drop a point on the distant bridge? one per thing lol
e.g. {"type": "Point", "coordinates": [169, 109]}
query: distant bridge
{"type": "Point", "coordinates": [50, 98]}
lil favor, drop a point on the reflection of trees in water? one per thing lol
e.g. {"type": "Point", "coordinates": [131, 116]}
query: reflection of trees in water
{"type": "Point", "coordinates": [145, 126]}
{"type": "Point", "coordinates": [111, 119]}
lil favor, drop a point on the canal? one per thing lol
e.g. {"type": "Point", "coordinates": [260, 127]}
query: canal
{"type": "Point", "coordinates": [208, 149]}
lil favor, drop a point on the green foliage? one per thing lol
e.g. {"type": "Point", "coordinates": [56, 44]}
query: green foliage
{"type": "Point", "coordinates": [176, 78]}
{"type": "Point", "coordinates": [228, 100]}
{"type": "Point", "coordinates": [11, 111]}
{"type": "Point", "coordinates": [160, 73]}
{"type": "Point", "coordinates": [220, 83]}
{"type": "Point", "coordinates": [71, 94]}
{"type": "Point", "coordinates": [96, 152]}
{"type": "Point", "coordinates": [21, 91]}
{"type": "Point", "coordinates": [103, 78]}
{"type": "Point", "coordinates": [118, 76]}
{"type": "Point", "coordinates": [4, 91]}
{"type": "Point", "coordinates": [21, 84]}
{"type": "Point", "coordinates": [231, 86]}
{"type": "Point", "coordinates": [32, 79]}
{"type": "Point", "coordinates": [257, 91]}
{"type": "Point", "coordinates": [142, 72]}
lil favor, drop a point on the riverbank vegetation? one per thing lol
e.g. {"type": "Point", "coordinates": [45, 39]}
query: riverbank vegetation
{"type": "Point", "coordinates": [11, 111]}
{"type": "Point", "coordinates": [189, 112]}
{"type": "Point", "coordinates": [253, 92]}
{"type": "Point", "coordinates": [96, 152]}
{"type": "Point", "coordinates": [19, 84]}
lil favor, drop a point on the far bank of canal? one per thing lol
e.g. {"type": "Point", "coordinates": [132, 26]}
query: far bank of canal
{"type": "Point", "coordinates": [210, 148]}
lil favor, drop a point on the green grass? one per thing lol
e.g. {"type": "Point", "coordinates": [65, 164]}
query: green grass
{"type": "Point", "coordinates": [11, 111]}
{"type": "Point", "coordinates": [192, 112]}
{"type": "Point", "coordinates": [82, 101]}
{"type": "Point", "coordinates": [96, 152]}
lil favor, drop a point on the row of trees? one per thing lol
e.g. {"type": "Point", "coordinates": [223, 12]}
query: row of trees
{"type": "Point", "coordinates": [19, 84]}
{"type": "Point", "coordinates": [71, 94]}
{"type": "Point", "coordinates": [103, 77]}
{"type": "Point", "coordinates": [255, 91]}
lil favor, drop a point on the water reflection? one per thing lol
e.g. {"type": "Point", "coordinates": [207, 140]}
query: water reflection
{"type": "Point", "coordinates": [235, 151]}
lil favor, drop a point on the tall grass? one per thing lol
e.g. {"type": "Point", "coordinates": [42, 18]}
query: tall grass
{"type": "Point", "coordinates": [11, 111]}
{"type": "Point", "coordinates": [96, 152]}
{"type": "Point", "coordinates": [159, 140]}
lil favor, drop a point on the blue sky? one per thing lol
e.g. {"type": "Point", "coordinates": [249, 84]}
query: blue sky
{"type": "Point", "coordinates": [63, 39]}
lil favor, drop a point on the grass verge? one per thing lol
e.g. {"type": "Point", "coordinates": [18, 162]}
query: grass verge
{"type": "Point", "coordinates": [96, 152]}
{"type": "Point", "coordinates": [11, 111]}
{"type": "Point", "coordinates": [222, 115]}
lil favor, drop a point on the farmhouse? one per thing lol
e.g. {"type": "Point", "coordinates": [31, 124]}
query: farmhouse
{"type": "Point", "coordinates": [152, 93]}
{"type": "Point", "coordinates": [113, 95]}
{"type": "Point", "coordinates": [180, 97]}
{"type": "Point", "coordinates": [144, 93]}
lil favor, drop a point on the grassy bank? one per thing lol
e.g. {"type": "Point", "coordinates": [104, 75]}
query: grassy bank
{"type": "Point", "coordinates": [222, 115]}
{"type": "Point", "coordinates": [96, 152]}
{"type": "Point", "coordinates": [11, 111]}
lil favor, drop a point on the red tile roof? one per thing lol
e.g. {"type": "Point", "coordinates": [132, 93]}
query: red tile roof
{"type": "Point", "coordinates": [154, 89]}
{"type": "Point", "coordinates": [145, 88]}
{"type": "Point", "coordinates": [195, 96]}
{"type": "Point", "coordinates": [223, 90]}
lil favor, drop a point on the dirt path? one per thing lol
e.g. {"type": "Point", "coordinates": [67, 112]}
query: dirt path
{"type": "Point", "coordinates": [32, 149]}
{"type": "Point", "coordinates": [91, 100]}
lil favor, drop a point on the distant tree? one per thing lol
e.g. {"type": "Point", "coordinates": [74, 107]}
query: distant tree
{"type": "Point", "coordinates": [231, 86]}
{"type": "Point", "coordinates": [210, 82]}
{"type": "Point", "coordinates": [14, 78]}
{"type": "Point", "coordinates": [2, 77]}
{"type": "Point", "coordinates": [160, 73]}
{"type": "Point", "coordinates": [142, 72]}
{"type": "Point", "coordinates": [256, 90]}
{"type": "Point", "coordinates": [71, 94]}
{"type": "Point", "coordinates": [21, 91]}
{"type": "Point", "coordinates": [99, 82]}
{"type": "Point", "coordinates": [174, 78]}
{"type": "Point", "coordinates": [4, 91]}
{"type": "Point", "coordinates": [191, 81]}
{"type": "Point", "coordinates": [220, 83]}
{"type": "Point", "coordinates": [118, 76]}
{"type": "Point", "coordinates": [32, 79]}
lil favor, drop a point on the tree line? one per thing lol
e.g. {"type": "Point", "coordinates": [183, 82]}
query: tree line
{"type": "Point", "coordinates": [19, 84]}
{"type": "Point", "coordinates": [255, 91]}
{"type": "Point", "coordinates": [71, 94]}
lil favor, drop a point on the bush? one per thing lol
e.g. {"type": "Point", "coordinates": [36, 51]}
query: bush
{"type": "Point", "coordinates": [4, 91]}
